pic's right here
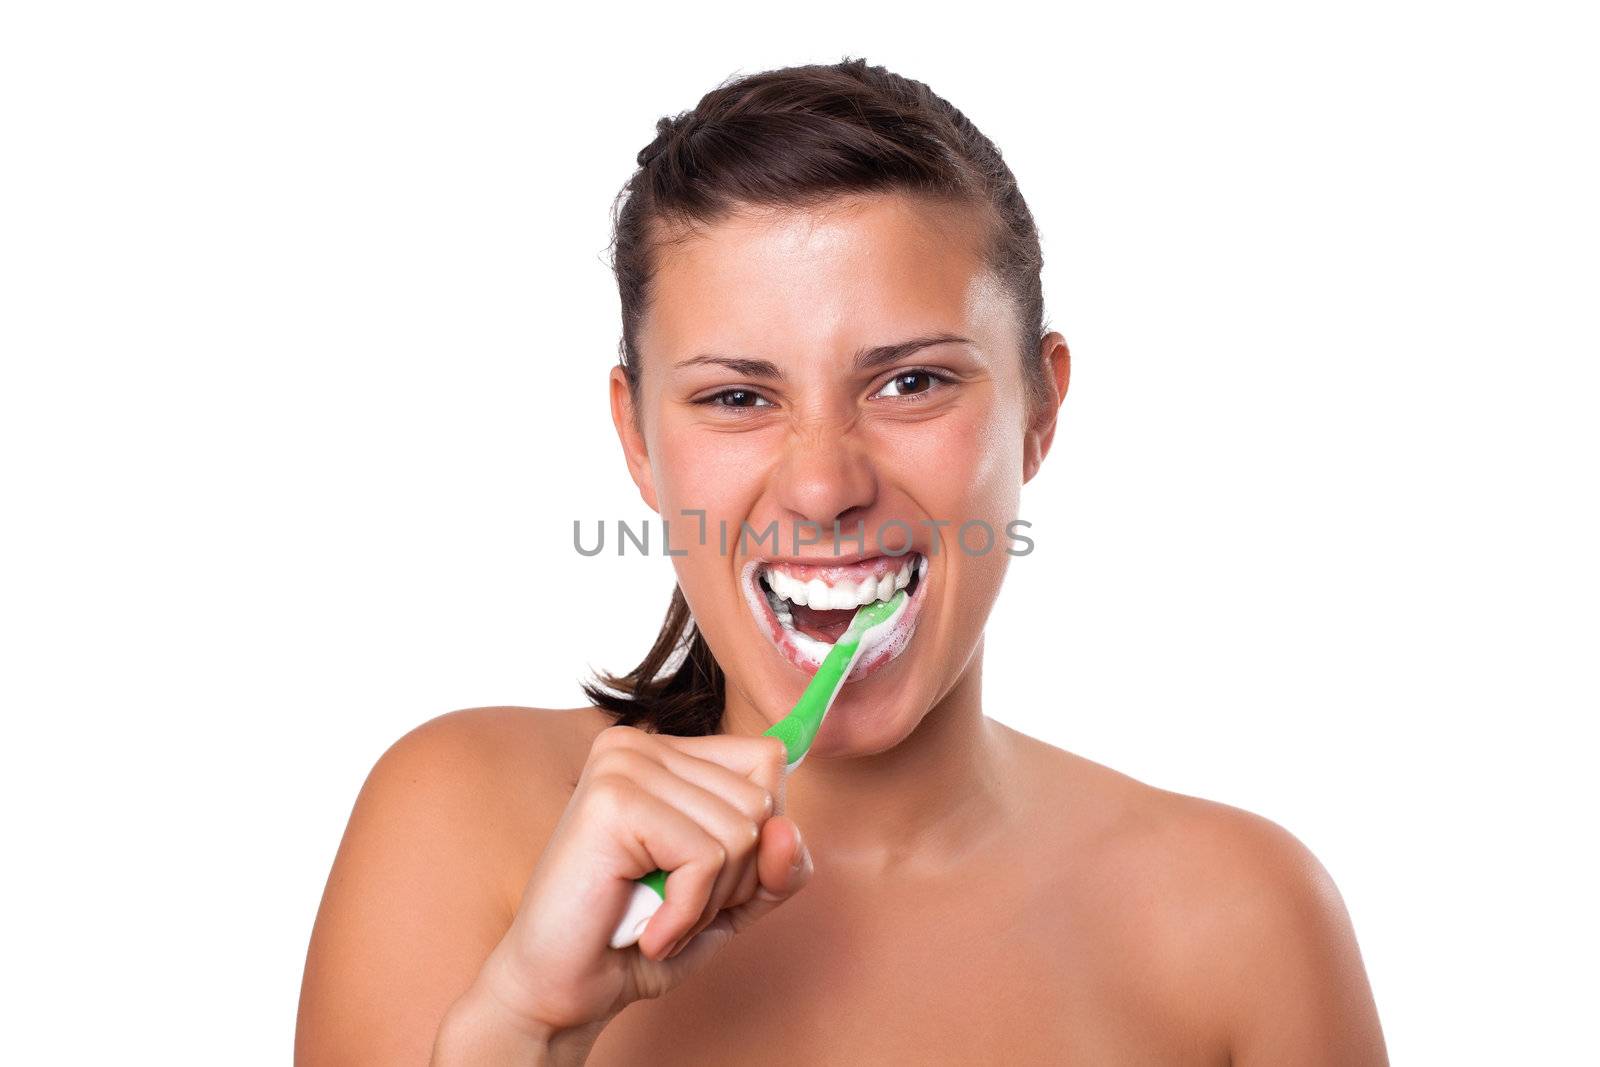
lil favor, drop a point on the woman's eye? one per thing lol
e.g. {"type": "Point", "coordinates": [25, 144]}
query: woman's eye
{"type": "Point", "coordinates": [909, 383]}
{"type": "Point", "coordinates": [736, 398]}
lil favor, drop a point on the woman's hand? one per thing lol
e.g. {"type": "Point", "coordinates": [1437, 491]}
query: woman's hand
{"type": "Point", "coordinates": [705, 809]}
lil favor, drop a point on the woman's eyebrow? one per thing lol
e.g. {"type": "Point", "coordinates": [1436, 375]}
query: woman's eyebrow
{"type": "Point", "coordinates": [750, 368]}
{"type": "Point", "coordinates": [873, 358]}
{"type": "Point", "coordinates": [866, 358]}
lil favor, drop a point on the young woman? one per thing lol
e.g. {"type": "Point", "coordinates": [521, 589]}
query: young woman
{"type": "Point", "coordinates": [831, 314]}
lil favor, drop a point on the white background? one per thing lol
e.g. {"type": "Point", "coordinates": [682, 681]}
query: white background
{"type": "Point", "coordinates": [306, 322]}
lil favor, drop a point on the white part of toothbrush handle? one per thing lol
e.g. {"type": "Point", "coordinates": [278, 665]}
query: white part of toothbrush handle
{"type": "Point", "coordinates": [641, 905]}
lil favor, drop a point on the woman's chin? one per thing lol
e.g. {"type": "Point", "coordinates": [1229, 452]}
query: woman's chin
{"type": "Point", "coordinates": [868, 717]}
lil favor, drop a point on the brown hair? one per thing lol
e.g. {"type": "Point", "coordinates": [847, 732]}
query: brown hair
{"type": "Point", "coordinates": [796, 138]}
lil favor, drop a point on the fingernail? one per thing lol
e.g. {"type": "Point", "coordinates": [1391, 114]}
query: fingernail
{"type": "Point", "coordinates": [799, 858]}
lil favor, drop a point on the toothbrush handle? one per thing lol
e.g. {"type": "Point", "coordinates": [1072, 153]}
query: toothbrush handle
{"type": "Point", "coordinates": [796, 730]}
{"type": "Point", "coordinates": [649, 893]}
{"type": "Point", "coordinates": [644, 902]}
{"type": "Point", "coordinates": [650, 890]}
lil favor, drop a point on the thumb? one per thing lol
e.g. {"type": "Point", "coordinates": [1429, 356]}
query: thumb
{"type": "Point", "coordinates": [783, 866]}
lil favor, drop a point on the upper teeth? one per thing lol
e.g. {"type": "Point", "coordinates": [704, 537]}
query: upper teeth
{"type": "Point", "coordinates": [844, 594]}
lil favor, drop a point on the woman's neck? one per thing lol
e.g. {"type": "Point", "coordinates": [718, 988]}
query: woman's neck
{"type": "Point", "coordinates": [913, 808]}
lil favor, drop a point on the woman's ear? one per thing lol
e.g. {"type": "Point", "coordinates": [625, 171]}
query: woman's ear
{"type": "Point", "coordinates": [624, 418]}
{"type": "Point", "coordinates": [1057, 361]}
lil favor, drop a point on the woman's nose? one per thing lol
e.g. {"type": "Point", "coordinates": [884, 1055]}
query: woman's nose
{"type": "Point", "coordinates": [826, 477]}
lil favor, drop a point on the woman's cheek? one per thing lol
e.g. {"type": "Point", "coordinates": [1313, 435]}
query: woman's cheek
{"type": "Point", "coordinates": [959, 466]}
{"type": "Point", "coordinates": [703, 471]}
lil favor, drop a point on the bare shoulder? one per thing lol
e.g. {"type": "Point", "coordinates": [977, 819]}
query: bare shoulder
{"type": "Point", "coordinates": [1233, 911]}
{"type": "Point", "coordinates": [509, 744]}
{"type": "Point", "coordinates": [487, 779]}
{"type": "Point", "coordinates": [444, 830]}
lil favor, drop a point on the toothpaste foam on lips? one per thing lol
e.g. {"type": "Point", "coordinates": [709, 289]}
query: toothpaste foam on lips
{"type": "Point", "coordinates": [803, 607]}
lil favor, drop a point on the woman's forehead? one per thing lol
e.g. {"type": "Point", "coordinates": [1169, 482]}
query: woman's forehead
{"type": "Point", "coordinates": [886, 229]}
{"type": "Point", "coordinates": [879, 265]}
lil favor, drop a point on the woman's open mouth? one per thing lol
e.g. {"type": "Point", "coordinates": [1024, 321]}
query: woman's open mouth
{"type": "Point", "coordinates": [803, 608]}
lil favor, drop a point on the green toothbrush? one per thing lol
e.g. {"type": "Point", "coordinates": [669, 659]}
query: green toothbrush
{"type": "Point", "coordinates": [797, 730]}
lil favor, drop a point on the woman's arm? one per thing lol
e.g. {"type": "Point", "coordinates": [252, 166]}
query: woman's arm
{"type": "Point", "coordinates": [477, 1031]}
{"type": "Point", "coordinates": [1295, 988]}
{"type": "Point", "coordinates": [449, 930]}
{"type": "Point", "coordinates": [417, 897]}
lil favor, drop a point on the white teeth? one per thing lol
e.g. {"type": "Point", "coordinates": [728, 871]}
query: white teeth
{"type": "Point", "coordinates": [787, 588]}
{"type": "Point", "coordinates": [816, 593]}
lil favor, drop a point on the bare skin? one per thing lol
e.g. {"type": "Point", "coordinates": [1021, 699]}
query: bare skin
{"type": "Point", "coordinates": [1107, 922]}
{"type": "Point", "coordinates": [977, 895]}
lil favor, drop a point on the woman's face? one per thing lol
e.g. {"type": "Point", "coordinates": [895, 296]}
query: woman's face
{"type": "Point", "coordinates": [779, 396]}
